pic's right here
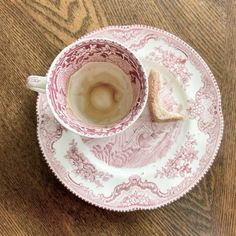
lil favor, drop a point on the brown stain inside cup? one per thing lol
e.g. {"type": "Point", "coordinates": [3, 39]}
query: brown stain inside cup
{"type": "Point", "coordinates": [103, 96]}
{"type": "Point", "coordinates": [100, 93]}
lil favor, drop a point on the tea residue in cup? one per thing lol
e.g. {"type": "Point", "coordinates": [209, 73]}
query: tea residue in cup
{"type": "Point", "coordinates": [100, 93]}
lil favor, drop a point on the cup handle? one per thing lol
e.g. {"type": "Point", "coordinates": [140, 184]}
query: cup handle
{"type": "Point", "coordinates": [37, 83]}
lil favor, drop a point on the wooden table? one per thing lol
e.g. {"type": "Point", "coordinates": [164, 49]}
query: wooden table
{"type": "Point", "coordinates": [32, 201]}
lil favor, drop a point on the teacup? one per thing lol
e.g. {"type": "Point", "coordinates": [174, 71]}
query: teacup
{"type": "Point", "coordinates": [103, 63]}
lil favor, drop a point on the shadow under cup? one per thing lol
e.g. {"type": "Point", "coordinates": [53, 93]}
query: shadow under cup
{"type": "Point", "coordinates": [74, 57]}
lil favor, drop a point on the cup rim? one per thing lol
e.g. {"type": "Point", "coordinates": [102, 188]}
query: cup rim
{"type": "Point", "coordinates": [129, 122]}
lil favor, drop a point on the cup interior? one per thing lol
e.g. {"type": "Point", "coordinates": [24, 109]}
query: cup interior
{"type": "Point", "coordinates": [74, 57]}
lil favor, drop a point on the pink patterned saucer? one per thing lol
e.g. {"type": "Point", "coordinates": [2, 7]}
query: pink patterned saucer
{"type": "Point", "coordinates": [148, 165]}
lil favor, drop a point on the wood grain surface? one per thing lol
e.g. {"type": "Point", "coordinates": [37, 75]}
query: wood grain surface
{"type": "Point", "coordinates": [32, 201]}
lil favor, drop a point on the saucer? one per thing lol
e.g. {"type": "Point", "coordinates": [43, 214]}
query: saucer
{"type": "Point", "coordinates": [150, 164]}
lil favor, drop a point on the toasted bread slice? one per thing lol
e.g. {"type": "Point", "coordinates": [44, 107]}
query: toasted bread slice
{"type": "Point", "coordinates": [158, 113]}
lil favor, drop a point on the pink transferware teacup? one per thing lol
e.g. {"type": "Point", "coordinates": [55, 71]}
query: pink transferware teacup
{"type": "Point", "coordinates": [100, 55]}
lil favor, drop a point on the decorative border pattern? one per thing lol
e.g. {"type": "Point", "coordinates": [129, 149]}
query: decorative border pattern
{"type": "Point", "coordinates": [84, 168]}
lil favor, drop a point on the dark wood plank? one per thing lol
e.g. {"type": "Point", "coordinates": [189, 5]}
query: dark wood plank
{"type": "Point", "coordinates": [32, 201]}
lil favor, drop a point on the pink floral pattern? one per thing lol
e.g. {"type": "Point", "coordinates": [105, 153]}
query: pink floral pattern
{"type": "Point", "coordinates": [180, 165]}
{"type": "Point", "coordinates": [194, 108]}
{"type": "Point", "coordinates": [156, 183]}
{"type": "Point", "coordinates": [124, 194]}
{"type": "Point", "coordinates": [51, 130]}
{"type": "Point", "coordinates": [137, 198]}
{"type": "Point", "coordinates": [174, 62]}
{"type": "Point", "coordinates": [84, 168]}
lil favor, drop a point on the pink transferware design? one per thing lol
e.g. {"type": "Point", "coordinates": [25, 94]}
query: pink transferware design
{"type": "Point", "coordinates": [149, 164]}
{"type": "Point", "coordinates": [71, 59]}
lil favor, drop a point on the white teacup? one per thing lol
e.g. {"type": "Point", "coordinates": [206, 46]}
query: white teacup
{"type": "Point", "coordinates": [95, 88]}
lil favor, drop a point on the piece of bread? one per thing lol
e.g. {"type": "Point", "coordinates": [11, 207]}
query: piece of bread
{"type": "Point", "coordinates": [158, 113]}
